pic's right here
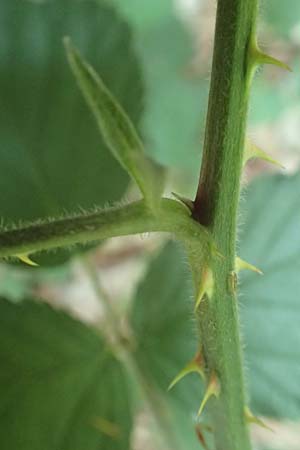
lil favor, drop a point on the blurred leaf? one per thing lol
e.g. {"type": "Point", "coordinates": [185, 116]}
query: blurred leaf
{"type": "Point", "coordinates": [270, 310]}
{"type": "Point", "coordinates": [52, 158]}
{"type": "Point", "coordinates": [176, 100]}
{"type": "Point", "coordinates": [267, 101]}
{"type": "Point", "coordinates": [161, 319]}
{"type": "Point", "coordinates": [116, 128]}
{"type": "Point", "coordinates": [60, 388]}
{"type": "Point", "coordinates": [17, 283]}
{"type": "Point", "coordinates": [143, 13]}
{"type": "Point", "coordinates": [282, 16]}
{"type": "Point", "coordinates": [175, 104]}
{"type": "Point", "coordinates": [271, 98]}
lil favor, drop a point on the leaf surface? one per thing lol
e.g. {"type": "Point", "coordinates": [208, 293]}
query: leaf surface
{"type": "Point", "coordinates": [270, 306]}
{"type": "Point", "coordinates": [60, 387]}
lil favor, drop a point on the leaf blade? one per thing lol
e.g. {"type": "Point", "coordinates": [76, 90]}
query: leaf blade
{"type": "Point", "coordinates": [57, 378]}
{"type": "Point", "coordinates": [269, 304]}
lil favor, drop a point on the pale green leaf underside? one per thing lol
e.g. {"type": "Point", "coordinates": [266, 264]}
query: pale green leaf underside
{"type": "Point", "coordinates": [270, 310]}
{"type": "Point", "coordinates": [60, 388]}
{"type": "Point", "coordinates": [52, 158]}
{"type": "Point", "coordinates": [116, 128]}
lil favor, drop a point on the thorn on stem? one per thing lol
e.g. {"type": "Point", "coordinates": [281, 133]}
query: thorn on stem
{"type": "Point", "coordinates": [200, 436]}
{"type": "Point", "coordinates": [251, 418]}
{"type": "Point", "coordinates": [27, 260]}
{"type": "Point", "coordinates": [252, 151]}
{"type": "Point", "coordinates": [240, 264]}
{"type": "Point", "coordinates": [257, 56]}
{"type": "Point", "coordinates": [213, 389]}
{"type": "Point", "coordinates": [195, 365]}
{"type": "Point", "coordinates": [206, 286]}
{"type": "Point", "coordinates": [263, 58]}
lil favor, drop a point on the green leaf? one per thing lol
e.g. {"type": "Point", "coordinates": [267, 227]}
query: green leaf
{"type": "Point", "coordinates": [270, 239]}
{"type": "Point", "coordinates": [116, 128]}
{"type": "Point", "coordinates": [60, 387]}
{"type": "Point", "coordinates": [52, 159]}
{"type": "Point", "coordinates": [142, 13]}
{"type": "Point", "coordinates": [161, 319]}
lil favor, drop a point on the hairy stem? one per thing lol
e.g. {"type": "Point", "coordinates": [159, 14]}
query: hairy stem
{"type": "Point", "coordinates": [134, 218]}
{"type": "Point", "coordinates": [216, 206]}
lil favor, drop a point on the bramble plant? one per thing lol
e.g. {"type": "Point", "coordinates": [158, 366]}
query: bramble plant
{"type": "Point", "coordinates": [65, 385]}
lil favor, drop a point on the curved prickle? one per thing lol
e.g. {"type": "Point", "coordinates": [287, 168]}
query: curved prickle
{"type": "Point", "coordinates": [206, 286]}
{"type": "Point", "coordinates": [251, 418]}
{"type": "Point", "coordinates": [194, 366]}
{"type": "Point", "coordinates": [27, 260]}
{"type": "Point", "coordinates": [257, 56]}
{"type": "Point", "coordinates": [252, 151]}
{"type": "Point", "coordinates": [212, 390]}
{"type": "Point", "coordinates": [240, 264]}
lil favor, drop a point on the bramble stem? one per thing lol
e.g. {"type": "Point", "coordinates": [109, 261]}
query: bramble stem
{"type": "Point", "coordinates": [216, 207]}
{"type": "Point", "coordinates": [134, 218]}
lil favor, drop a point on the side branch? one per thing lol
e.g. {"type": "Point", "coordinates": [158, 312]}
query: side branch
{"type": "Point", "coordinates": [134, 218]}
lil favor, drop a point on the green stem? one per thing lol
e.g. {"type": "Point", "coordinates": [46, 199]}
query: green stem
{"type": "Point", "coordinates": [123, 349]}
{"type": "Point", "coordinates": [216, 207]}
{"type": "Point", "coordinates": [134, 218]}
{"type": "Point", "coordinates": [111, 317]}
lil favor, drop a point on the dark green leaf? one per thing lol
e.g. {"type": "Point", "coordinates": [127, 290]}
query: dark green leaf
{"type": "Point", "coordinates": [52, 158]}
{"type": "Point", "coordinates": [60, 387]}
{"type": "Point", "coordinates": [270, 310]}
